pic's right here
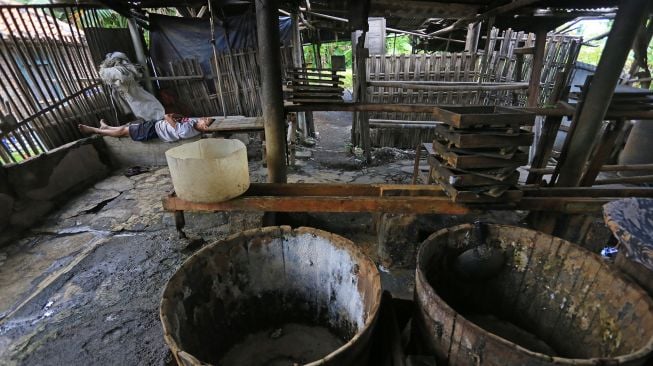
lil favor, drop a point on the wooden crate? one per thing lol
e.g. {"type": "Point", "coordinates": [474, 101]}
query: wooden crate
{"type": "Point", "coordinates": [476, 194]}
{"type": "Point", "coordinates": [478, 159]}
{"type": "Point", "coordinates": [465, 178]}
{"type": "Point", "coordinates": [472, 116]}
{"type": "Point", "coordinates": [473, 139]}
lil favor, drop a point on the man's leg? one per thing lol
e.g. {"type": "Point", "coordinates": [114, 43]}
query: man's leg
{"type": "Point", "coordinates": [122, 131]}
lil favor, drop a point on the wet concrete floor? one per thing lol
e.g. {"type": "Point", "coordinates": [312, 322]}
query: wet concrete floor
{"type": "Point", "coordinates": [84, 286]}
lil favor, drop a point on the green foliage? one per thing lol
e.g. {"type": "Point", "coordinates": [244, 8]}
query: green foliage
{"type": "Point", "coordinates": [110, 19]}
{"type": "Point", "coordinates": [398, 45]}
{"type": "Point", "coordinates": [340, 48]}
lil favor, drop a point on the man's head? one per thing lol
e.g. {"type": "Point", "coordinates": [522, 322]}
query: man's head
{"type": "Point", "coordinates": [174, 117]}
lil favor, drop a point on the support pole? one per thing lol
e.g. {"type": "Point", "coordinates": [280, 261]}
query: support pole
{"type": "Point", "coordinates": [218, 74]}
{"type": "Point", "coordinates": [298, 61]}
{"type": "Point", "coordinates": [473, 34]}
{"type": "Point", "coordinates": [267, 25]}
{"type": "Point", "coordinates": [536, 70]}
{"type": "Point", "coordinates": [141, 58]}
{"type": "Point", "coordinates": [599, 94]}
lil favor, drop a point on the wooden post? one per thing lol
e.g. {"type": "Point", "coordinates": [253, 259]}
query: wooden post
{"type": "Point", "coordinates": [544, 145]}
{"type": "Point", "coordinates": [536, 70]}
{"type": "Point", "coordinates": [297, 60]}
{"type": "Point", "coordinates": [267, 24]}
{"type": "Point", "coordinates": [599, 94]}
{"type": "Point", "coordinates": [602, 152]}
{"type": "Point", "coordinates": [361, 74]}
{"type": "Point", "coordinates": [141, 58]}
{"type": "Point", "coordinates": [473, 34]}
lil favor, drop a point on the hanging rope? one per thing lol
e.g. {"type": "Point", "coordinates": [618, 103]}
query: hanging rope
{"type": "Point", "coordinates": [215, 60]}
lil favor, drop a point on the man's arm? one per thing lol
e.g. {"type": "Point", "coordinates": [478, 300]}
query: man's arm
{"type": "Point", "coordinates": [171, 119]}
{"type": "Point", "coordinates": [203, 124]}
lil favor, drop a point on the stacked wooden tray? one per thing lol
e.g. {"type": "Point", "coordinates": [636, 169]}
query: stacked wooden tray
{"type": "Point", "coordinates": [476, 152]}
{"type": "Point", "coordinates": [309, 85]}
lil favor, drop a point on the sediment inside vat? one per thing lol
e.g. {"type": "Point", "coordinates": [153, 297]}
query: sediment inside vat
{"type": "Point", "coordinates": [464, 296]}
{"type": "Point", "coordinates": [550, 296]}
{"type": "Point", "coordinates": [233, 293]}
{"type": "Point", "coordinates": [287, 345]}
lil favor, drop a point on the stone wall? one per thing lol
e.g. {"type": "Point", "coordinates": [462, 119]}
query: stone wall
{"type": "Point", "coordinates": [125, 152]}
{"type": "Point", "coordinates": [30, 189]}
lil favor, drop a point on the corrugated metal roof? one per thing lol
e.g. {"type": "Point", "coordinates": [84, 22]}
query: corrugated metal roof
{"type": "Point", "coordinates": [30, 22]}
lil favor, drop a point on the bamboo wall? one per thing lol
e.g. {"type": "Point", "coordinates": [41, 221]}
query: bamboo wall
{"type": "Point", "coordinates": [50, 84]}
{"type": "Point", "coordinates": [240, 82]}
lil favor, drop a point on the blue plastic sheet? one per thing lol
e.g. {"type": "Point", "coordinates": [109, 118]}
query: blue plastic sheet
{"type": "Point", "coordinates": [176, 38]}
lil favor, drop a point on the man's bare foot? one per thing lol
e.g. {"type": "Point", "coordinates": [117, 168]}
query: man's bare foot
{"type": "Point", "coordinates": [85, 129]}
{"type": "Point", "coordinates": [103, 125]}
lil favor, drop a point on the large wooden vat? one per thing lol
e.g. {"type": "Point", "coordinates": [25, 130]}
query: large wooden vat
{"type": "Point", "coordinates": [273, 296]}
{"type": "Point", "coordinates": [551, 301]}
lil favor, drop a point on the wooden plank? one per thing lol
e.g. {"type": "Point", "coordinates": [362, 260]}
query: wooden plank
{"type": "Point", "coordinates": [587, 192]}
{"type": "Point", "coordinates": [412, 205]}
{"type": "Point", "coordinates": [626, 180]}
{"type": "Point", "coordinates": [450, 87]}
{"type": "Point", "coordinates": [237, 123]}
{"type": "Point", "coordinates": [303, 81]}
{"type": "Point", "coordinates": [406, 205]}
{"type": "Point", "coordinates": [316, 87]}
{"type": "Point", "coordinates": [313, 189]}
{"type": "Point", "coordinates": [315, 100]}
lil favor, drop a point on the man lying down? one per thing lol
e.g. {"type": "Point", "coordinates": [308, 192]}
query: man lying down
{"type": "Point", "coordinates": [173, 127]}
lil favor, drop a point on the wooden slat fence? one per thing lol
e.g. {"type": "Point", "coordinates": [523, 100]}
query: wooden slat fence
{"type": "Point", "coordinates": [49, 83]}
{"type": "Point", "coordinates": [498, 66]}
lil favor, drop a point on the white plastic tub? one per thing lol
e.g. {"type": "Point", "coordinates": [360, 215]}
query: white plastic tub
{"type": "Point", "coordinates": [209, 170]}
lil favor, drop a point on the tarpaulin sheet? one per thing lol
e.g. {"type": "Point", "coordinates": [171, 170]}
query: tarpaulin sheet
{"type": "Point", "coordinates": [177, 38]}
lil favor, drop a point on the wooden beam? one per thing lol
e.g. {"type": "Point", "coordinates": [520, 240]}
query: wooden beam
{"type": "Point", "coordinates": [561, 109]}
{"type": "Point", "coordinates": [407, 205]}
{"type": "Point", "coordinates": [600, 91]}
{"type": "Point", "coordinates": [641, 179]}
{"type": "Point", "coordinates": [513, 5]}
{"type": "Point", "coordinates": [605, 168]}
{"type": "Point", "coordinates": [587, 192]}
{"type": "Point", "coordinates": [395, 198]}
{"type": "Point", "coordinates": [536, 68]}
{"type": "Point", "coordinates": [453, 87]}
{"type": "Point", "coordinates": [412, 8]}
{"type": "Point", "coordinates": [603, 151]}
{"type": "Point", "coordinates": [267, 23]}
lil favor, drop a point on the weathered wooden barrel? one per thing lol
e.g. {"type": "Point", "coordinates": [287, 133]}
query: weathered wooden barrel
{"type": "Point", "coordinates": [273, 296]}
{"type": "Point", "coordinates": [549, 302]}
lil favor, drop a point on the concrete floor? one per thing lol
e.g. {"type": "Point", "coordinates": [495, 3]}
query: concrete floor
{"type": "Point", "coordinates": [84, 286]}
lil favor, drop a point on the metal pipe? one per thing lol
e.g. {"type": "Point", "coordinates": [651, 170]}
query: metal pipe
{"type": "Point", "coordinates": [267, 24]}
{"type": "Point", "coordinates": [599, 94]}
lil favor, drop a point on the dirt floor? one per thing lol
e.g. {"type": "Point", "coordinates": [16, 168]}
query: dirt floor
{"type": "Point", "coordinates": [84, 286]}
